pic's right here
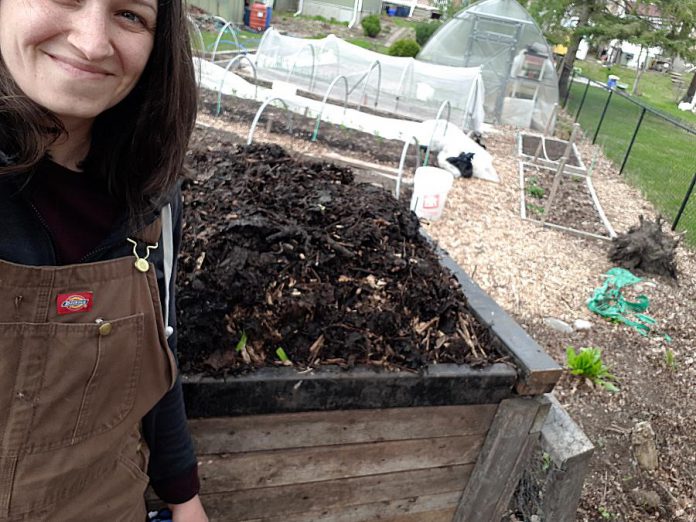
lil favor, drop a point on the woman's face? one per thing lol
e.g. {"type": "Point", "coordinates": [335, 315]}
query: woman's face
{"type": "Point", "coordinates": [77, 58]}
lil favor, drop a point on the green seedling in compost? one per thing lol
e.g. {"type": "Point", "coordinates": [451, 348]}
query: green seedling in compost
{"type": "Point", "coordinates": [242, 342]}
{"type": "Point", "coordinates": [588, 363]}
{"type": "Point", "coordinates": [670, 359]}
{"type": "Point", "coordinates": [282, 355]}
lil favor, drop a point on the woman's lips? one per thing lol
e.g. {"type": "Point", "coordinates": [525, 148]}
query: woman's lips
{"type": "Point", "coordinates": [79, 69]}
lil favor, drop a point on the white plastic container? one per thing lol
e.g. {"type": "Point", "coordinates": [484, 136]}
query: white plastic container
{"type": "Point", "coordinates": [430, 188]}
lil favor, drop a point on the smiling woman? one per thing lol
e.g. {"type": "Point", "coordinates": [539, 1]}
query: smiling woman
{"type": "Point", "coordinates": [91, 54]}
{"type": "Point", "coordinates": [97, 103]}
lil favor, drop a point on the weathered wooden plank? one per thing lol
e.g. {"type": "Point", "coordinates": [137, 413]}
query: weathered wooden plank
{"type": "Point", "coordinates": [570, 451]}
{"type": "Point", "coordinates": [285, 390]}
{"type": "Point", "coordinates": [435, 508]}
{"type": "Point", "coordinates": [279, 468]}
{"type": "Point", "coordinates": [336, 496]}
{"type": "Point", "coordinates": [298, 430]}
{"type": "Point", "coordinates": [500, 462]}
{"type": "Point", "coordinates": [414, 509]}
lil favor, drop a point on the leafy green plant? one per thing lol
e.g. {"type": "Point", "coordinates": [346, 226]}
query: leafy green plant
{"type": "Point", "coordinates": [534, 189]}
{"type": "Point", "coordinates": [537, 209]}
{"type": "Point", "coordinates": [424, 30]}
{"type": "Point", "coordinates": [588, 363]}
{"type": "Point", "coordinates": [405, 47]}
{"type": "Point", "coordinates": [546, 462]}
{"type": "Point", "coordinates": [371, 25]}
{"type": "Point", "coordinates": [536, 192]}
{"type": "Point", "coordinates": [606, 515]}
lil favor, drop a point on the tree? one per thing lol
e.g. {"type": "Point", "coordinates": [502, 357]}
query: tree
{"type": "Point", "coordinates": [601, 20]}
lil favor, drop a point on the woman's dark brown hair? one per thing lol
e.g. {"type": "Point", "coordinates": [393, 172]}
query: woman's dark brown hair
{"type": "Point", "coordinates": [138, 146]}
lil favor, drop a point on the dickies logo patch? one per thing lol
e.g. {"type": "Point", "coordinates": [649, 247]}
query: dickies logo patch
{"type": "Point", "coordinates": [74, 303]}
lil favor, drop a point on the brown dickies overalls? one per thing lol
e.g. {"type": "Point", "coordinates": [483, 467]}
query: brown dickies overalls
{"type": "Point", "coordinates": [78, 372]}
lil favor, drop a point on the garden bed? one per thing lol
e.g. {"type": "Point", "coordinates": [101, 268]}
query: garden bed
{"type": "Point", "coordinates": [552, 151]}
{"type": "Point", "coordinates": [350, 142]}
{"type": "Point", "coordinates": [575, 207]}
{"type": "Point", "coordinates": [437, 387]}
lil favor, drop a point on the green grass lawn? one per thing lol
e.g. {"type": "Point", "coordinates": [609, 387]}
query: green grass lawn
{"type": "Point", "coordinates": [368, 43]}
{"type": "Point", "coordinates": [250, 40]}
{"type": "Point", "coordinates": [654, 89]}
{"type": "Point", "coordinates": [662, 161]}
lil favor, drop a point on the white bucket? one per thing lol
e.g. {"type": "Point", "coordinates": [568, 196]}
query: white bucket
{"type": "Point", "coordinates": [430, 188]}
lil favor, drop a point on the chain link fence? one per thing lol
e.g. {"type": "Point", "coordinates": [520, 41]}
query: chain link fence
{"type": "Point", "coordinates": [655, 153]}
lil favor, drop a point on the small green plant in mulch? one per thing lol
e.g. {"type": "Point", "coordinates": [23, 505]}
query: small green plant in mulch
{"type": "Point", "coordinates": [534, 190]}
{"type": "Point", "coordinates": [371, 25]}
{"type": "Point", "coordinates": [546, 462]}
{"type": "Point", "coordinates": [537, 209]}
{"type": "Point", "coordinates": [424, 30]}
{"type": "Point", "coordinates": [405, 47]}
{"type": "Point", "coordinates": [588, 363]}
{"type": "Point", "coordinates": [670, 359]}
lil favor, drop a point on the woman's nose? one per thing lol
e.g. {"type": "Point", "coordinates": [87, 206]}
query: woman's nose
{"type": "Point", "coordinates": [90, 31]}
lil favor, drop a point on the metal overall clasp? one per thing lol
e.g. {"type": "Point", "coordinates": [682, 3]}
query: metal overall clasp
{"type": "Point", "coordinates": [141, 263]}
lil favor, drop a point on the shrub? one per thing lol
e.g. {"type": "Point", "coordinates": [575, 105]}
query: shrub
{"type": "Point", "coordinates": [425, 30]}
{"type": "Point", "coordinates": [406, 47]}
{"type": "Point", "coordinates": [371, 25]}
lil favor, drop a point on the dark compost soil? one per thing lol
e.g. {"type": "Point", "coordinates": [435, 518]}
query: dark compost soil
{"type": "Point", "coordinates": [297, 256]}
{"type": "Point", "coordinates": [554, 149]}
{"type": "Point", "coordinates": [573, 206]}
{"type": "Point", "coordinates": [354, 143]}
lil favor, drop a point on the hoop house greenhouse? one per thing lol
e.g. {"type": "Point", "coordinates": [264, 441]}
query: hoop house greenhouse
{"type": "Point", "coordinates": [516, 61]}
{"type": "Point", "coordinates": [394, 86]}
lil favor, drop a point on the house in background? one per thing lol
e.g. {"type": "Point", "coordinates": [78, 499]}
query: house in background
{"type": "Point", "coordinates": [629, 54]}
{"type": "Point", "coordinates": [231, 10]}
{"type": "Point", "coordinates": [351, 11]}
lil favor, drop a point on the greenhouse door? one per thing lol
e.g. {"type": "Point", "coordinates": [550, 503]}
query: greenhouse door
{"type": "Point", "coordinates": [492, 44]}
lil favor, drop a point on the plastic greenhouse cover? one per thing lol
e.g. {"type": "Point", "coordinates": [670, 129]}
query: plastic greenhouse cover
{"type": "Point", "coordinates": [395, 85]}
{"type": "Point", "coordinates": [517, 68]}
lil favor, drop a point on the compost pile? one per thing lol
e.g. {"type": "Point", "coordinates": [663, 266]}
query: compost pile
{"type": "Point", "coordinates": [277, 253]}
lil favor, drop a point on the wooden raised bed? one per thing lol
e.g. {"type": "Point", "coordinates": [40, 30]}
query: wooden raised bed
{"type": "Point", "coordinates": [551, 152]}
{"type": "Point", "coordinates": [360, 445]}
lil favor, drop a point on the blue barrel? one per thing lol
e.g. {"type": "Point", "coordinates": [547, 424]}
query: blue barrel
{"type": "Point", "coordinates": [402, 10]}
{"type": "Point", "coordinates": [269, 10]}
{"type": "Point", "coordinates": [391, 11]}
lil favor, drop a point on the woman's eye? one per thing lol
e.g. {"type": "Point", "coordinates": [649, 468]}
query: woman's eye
{"type": "Point", "coordinates": [132, 17]}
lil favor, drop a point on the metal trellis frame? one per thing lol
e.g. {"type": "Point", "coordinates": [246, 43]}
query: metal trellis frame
{"type": "Point", "coordinates": [265, 104]}
{"type": "Point", "coordinates": [323, 103]}
{"type": "Point", "coordinates": [222, 81]}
